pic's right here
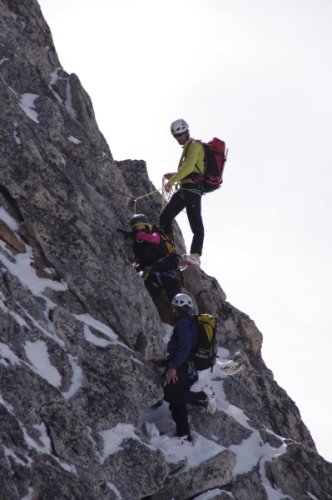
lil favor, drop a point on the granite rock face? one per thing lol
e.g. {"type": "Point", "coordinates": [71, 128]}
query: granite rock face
{"type": "Point", "coordinates": [79, 400]}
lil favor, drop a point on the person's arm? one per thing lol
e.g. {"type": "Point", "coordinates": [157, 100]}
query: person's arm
{"type": "Point", "coordinates": [149, 237]}
{"type": "Point", "coordinates": [169, 174]}
{"type": "Point", "coordinates": [193, 160]}
{"type": "Point", "coordinates": [171, 376]}
{"type": "Point", "coordinates": [159, 361]}
{"type": "Point", "coordinates": [184, 344]}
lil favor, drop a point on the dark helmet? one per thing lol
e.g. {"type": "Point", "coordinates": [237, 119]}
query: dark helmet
{"type": "Point", "coordinates": [139, 219]}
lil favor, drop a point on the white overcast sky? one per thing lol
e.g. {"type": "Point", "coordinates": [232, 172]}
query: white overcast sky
{"type": "Point", "coordinates": [258, 74]}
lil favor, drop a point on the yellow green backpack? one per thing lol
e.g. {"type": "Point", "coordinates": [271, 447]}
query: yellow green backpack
{"type": "Point", "coordinates": [205, 351]}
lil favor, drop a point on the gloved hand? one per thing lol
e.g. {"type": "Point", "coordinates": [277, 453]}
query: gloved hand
{"type": "Point", "coordinates": [126, 234]}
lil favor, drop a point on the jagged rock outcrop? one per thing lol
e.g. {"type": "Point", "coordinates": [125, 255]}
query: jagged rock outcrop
{"type": "Point", "coordinates": [78, 398]}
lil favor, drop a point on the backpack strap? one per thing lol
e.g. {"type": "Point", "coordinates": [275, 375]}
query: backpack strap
{"type": "Point", "coordinates": [168, 253]}
{"type": "Point", "coordinates": [194, 322]}
{"type": "Point", "coordinates": [185, 151]}
{"type": "Point", "coordinates": [198, 177]}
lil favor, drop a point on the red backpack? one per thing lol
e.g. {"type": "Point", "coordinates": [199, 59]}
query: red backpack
{"type": "Point", "coordinates": [215, 159]}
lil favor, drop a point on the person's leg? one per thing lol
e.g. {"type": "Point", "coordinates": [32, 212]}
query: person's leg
{"type": "Point", "coordinates": [204, 398]}
{"type": "Point", "coordinates": [196, 398]}
{"type": "Point", "coordinates": [171, 281]}
{"type": "Point", "coordinates": [172, 209]}
{"type": "Point", "coordinates": [179, 414]}
{"type": "Point", "coordinates": [192, 398]}
{"type": "Point", "coordinates": [193, 203]}
{"type": "Point", "coordinates": [174, 394]}
{"type": "Point", "coordinates": [153, 285]}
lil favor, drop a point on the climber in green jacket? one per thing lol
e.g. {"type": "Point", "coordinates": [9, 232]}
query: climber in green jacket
{"type": "Point", "coordinates": [189, 194]}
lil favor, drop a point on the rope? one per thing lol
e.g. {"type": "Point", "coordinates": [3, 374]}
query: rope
{"type": "Point", "coordinates": [147, 194]}
{"type": "Point", "coordinates": [166, 196]}
{"type": "Point", "coordinates": [144, 196]}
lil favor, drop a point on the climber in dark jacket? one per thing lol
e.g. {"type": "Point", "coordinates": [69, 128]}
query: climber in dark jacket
{"type": "Point", "coordinates": [181, 374]}
{"type": "Point", "coordinates": [159, 268]}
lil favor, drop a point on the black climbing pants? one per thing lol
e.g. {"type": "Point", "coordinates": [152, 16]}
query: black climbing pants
{"type": "Point", "coordinates": [169, 280]}
{"type": "Point", "coordinates": [178, 395]}
{"type": "Point", "coordinates": [192, 202]}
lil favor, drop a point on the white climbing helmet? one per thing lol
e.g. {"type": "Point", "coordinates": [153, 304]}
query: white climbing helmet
{"type": "Point", "coordinates": [179, 127]}
{"type": "Point", "coordinates": [182, 300]}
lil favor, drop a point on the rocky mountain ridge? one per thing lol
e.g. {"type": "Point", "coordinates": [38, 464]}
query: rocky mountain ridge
{"type": "Point", "coordinates": [78, 396]}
